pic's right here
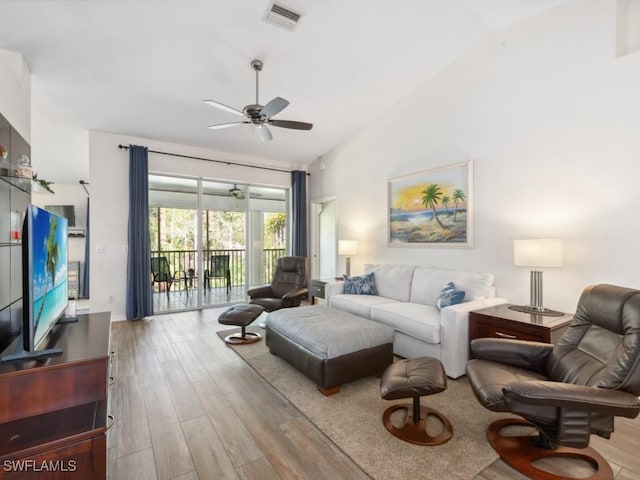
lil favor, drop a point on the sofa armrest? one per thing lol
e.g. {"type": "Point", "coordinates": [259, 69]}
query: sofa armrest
{"type": "Point", "coordinates": [332, 288]}
{"type": "Point", "coordinates": [454, 333]}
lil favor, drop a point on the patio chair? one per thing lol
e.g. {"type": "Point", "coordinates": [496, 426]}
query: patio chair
{"type": "Point", "coordinates": [161, 273]}
{"type": "Point", "coordinates": [218, 268]}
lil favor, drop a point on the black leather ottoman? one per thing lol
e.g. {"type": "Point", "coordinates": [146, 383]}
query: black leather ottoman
{"type": "Point", "coordinates": [330, 346]}
{"type": "Point", "coordinates": [414, 378]}
{"type": "Point", "coordinates": [241, 315]}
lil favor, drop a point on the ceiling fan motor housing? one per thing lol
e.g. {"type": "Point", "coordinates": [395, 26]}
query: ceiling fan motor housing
{"type": "Point", "coordinates": [254, 112]}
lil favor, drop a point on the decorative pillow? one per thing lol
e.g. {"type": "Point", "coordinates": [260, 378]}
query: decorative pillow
{"type": "Point", "coordinates": [449, 296]}
{"type": "Point", "coordinates": [362, 285]}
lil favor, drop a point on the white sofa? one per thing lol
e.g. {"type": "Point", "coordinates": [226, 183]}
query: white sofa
{"type": "Point", "coordinates": [406, 301]}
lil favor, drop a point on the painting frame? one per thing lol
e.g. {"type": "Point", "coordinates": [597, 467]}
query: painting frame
{"type": "Point", "coordinates": [417, 216]}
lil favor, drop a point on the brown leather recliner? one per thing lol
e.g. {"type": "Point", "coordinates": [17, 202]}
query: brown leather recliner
{"type": "Point", "coordinates": [288, 287]}
{"type": "Point", "coordinates": [569, 390]}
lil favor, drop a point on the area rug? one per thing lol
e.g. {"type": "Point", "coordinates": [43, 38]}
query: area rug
{"type": "Point", "coordinates": [352, 419]}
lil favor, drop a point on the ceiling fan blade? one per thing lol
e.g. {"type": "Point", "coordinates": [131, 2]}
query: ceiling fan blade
{"type": "Point", "coordinates": [225, 125]}
{"type": "Point", "coordinates": [291, 124]}
{"type": "Point", "coordinates": [274, 106]}
{"type": "Point", "coordinates": [221, 106]}
{"type": "Point", "coordinates": [262, 132]}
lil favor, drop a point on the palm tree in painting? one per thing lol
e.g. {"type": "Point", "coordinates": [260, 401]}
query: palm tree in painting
{"type": "Point", "coordinates": [445, 203]}
{"type": "Point", "coordinates": [430, 198]}
{"type": "Point", "coordinates": [53, 256]}
{"type": "Point", "coordinates": [458, 196]}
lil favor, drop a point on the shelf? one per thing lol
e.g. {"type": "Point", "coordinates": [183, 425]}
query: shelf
{"type": "Point", "coordinates": [27, 185]}
{"type": "Point", "coordinates": [24, 184]}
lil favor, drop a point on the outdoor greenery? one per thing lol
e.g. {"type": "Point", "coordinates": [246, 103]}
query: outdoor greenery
{"type": "Point", "coordinates": [275, 230]}
{"type": "Point", "coordinates": [175, 229]}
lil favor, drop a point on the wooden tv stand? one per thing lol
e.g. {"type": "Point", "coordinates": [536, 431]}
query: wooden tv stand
{"type": "Point", "coordinates": [53, 411]}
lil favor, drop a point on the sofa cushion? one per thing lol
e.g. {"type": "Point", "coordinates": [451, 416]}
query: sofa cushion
{"type": "Point", "coordinates": [358, 304]}
{"type": "Point", "coordinates": [328, 332]}
{"type": "Point", "coordinates": [427, 283]}
{"type": "Point", "coordinates": [449, 295]}
{"type": "Point", "coordinates": [360, 285]}
{"type": "Point", "coordinates": [393, 281]}
{"type": "Point", "coordinates": [414, 319]}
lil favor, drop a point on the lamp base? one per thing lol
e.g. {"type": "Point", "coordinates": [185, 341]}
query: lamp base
{"type": "Point", "coordinates": [536, 311]}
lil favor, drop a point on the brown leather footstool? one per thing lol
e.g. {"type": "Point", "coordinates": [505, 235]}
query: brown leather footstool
{"type": "Point", "coordinates": [414, 378]}
{"type": "Point", "coordinates": [241, 315]}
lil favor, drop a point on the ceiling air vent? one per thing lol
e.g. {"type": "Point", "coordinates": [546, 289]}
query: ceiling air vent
{"type": "Point", "coordinates": [282, 17]}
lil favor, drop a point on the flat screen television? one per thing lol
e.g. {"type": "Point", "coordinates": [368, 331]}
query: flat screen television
{"type": "Point", "coordinates": [44, 280]}
{"type": "Point", "coordinates": [66, 211]}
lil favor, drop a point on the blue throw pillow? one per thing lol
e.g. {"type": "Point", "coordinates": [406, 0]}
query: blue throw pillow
{"type": "Point", "coordinates": [449, 296]}
{"type": "Point", "coordinates": [362, 285]}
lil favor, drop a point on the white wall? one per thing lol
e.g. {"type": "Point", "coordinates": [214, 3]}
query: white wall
{"type": "Point", "coordinates": [15, 92]}
{"type": "Point", "coordinates": [110, 197]}
{"type": "Point", "coordinates": [550, 117]}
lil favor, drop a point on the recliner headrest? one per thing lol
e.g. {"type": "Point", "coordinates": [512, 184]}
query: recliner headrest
{"type": "Point", "coordinates": [603, 305]}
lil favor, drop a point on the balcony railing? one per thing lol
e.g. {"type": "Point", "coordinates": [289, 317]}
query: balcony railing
{"type": "Point", "coordinates": [186, 261]}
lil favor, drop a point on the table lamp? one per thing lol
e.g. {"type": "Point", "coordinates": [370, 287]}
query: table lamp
{"type": "Point", "coordinates": [537, 254]}
{"type": "Point", "coordinates": [347, 247]}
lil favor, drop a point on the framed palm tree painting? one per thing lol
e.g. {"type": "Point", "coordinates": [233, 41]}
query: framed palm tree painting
{"type": "Point", "coordinates": [432, 208]}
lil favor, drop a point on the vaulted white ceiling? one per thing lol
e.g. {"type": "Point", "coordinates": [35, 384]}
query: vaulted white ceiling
{"type": "Point", "coordinates": [143, 68]}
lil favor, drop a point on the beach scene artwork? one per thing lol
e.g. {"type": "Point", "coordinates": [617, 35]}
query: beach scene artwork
{"type": "Point", "coordinates": [432, 208]}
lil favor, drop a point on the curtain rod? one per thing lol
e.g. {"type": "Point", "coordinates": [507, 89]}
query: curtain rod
{"type": "Point", "coordinates": [120, 146]}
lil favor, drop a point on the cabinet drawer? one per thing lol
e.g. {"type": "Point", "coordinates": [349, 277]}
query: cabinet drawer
{"type": "Point", "coordinates": [85, 460]}
{"type": "Point", "coordinates": [491, 330]}
{"type": "Point", "coordinates": [317, 290]}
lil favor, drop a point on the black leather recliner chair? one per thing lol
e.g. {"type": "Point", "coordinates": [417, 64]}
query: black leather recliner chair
{"type": "Point", "coordinates": [288, 287]}
{"type": "Point", "coordinates": [569, 390]}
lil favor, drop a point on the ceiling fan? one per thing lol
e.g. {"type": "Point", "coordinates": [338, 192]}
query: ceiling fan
{"type": "Point", "coordinates": [259, 116]}
{"type": "Point", "coordinates": [236, 192]}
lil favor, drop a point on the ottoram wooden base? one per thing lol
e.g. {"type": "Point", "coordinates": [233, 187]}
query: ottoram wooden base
{"type": "Point", "coordinates": [243, 338]}
{"type": "Point", "coordinates": [520, 453]}
{"type": "Point", "coordinates": [415, 427]}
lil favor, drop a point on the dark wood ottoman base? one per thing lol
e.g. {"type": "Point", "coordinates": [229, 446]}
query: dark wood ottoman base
{"type": "Point", "coordinates": [330, 373]}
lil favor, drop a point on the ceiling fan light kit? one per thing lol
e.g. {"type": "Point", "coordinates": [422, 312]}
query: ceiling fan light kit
{"type": "Point", "coordinates": [259, 116]}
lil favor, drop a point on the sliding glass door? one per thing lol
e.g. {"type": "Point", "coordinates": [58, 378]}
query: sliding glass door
{"type": "Point", "coordinates": [267, 209]}
{"type": "Point", "coordinates": [173, 227]}
{"type": "Point", "coordinates": [218, 239]}
{"type": "Point", "coordinates": [224, 247]}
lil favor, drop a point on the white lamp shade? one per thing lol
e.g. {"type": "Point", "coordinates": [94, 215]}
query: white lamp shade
{"type": "Point", "coordinates": [538, 253]}
{"type": "Point", "coordinates": [347, 247]}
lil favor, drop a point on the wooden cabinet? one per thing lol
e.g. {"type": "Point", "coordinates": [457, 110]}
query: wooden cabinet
{"type": "Point", "coordinates": [317, 287]}
{"type": "Point", "coordinates": [501, 322]}
{"type": "Point", "coordinates": [53, 412]}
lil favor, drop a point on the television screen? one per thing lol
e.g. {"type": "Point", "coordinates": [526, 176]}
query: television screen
{"type": "Point", "coordinates": [46, 279]}
{"type": "Point", "coordinates": [66, 211]}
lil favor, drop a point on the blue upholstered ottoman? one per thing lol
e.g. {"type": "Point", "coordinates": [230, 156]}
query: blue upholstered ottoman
{"type": "Point", "coordinates": [330, 346]}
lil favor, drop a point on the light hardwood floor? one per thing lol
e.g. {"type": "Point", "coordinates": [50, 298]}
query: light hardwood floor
{"type": "Point", "coordinates": [187, 407]}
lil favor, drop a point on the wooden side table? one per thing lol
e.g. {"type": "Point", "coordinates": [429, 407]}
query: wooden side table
{"type": "Point", "coordinates": [317, 287]}
{"type": "Point", "coordinates": [501, 322]}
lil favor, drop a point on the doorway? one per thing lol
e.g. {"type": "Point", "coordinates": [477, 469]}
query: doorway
{"type": "Point", "coordinates": [324, 238]}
